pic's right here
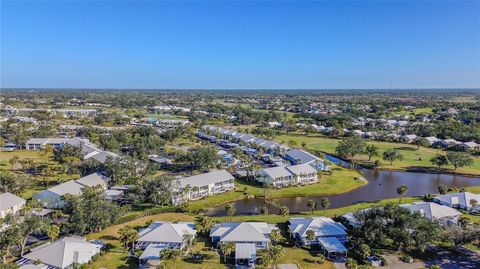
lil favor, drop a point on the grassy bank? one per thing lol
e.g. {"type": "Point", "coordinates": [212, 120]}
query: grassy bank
{"type": "Point", "coordinates": [413, 159]}
{"type": "Point", "coordinates": [342, 180]}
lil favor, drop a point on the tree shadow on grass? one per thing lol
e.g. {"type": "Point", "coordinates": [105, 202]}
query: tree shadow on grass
{"type": "Point", "coordinates": [405, 148]}
{"type": "Point", "coordinates": [108, 237]}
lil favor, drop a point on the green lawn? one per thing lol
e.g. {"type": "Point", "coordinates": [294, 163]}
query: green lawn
{"type": "Point", "coordinates": [342, 180]}
{"type": "Point", "coordinates": [39, 182]}
{"type": "Point", "coordinates": [412, 158]}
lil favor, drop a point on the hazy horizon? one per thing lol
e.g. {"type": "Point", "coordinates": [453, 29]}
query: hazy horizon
{"type": "Point", "coordinates": [240, 45]}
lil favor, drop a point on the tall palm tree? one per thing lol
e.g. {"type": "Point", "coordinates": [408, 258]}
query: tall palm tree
{"type": "Point", "coordinates": [227, 248]}
{"type": "Point", "coordinates": [284, 211]}
{"type": "Point", "coordinates": [310, 236]}
{"type": "Point", "coordinates": [203, 225]}
{"type": "Point", "coordinates": [275, 236]}
{"type": "Point", "coordinates": [325, 203]}
{"type": "Point", "coordinates": [312, 204]}
{"type": "Point", "coordinates": [189, 240]}
{"type": "Point", "coordinates": [402, 191]}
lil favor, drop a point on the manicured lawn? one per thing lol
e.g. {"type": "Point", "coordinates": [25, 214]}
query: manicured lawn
{"type": "Point", "coordinates": [412, 158]}
{"type": "Point", "coordinates": [342, 180]}
{"type": "Point", "coordinates": [115, 258]}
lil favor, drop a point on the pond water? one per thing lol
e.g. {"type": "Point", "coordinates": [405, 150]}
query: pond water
{"type": "Point", "coordinates": [381, 185]}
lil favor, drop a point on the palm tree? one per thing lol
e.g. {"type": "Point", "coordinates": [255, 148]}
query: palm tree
{"type": "Point", "coordinates": [351, 264]}
{"type": "Point", "coordinates": [275, 236]}
{"type": "Point", "coordinates": [402, 191]}
{"type": "Point", "coordinates": [274, 253]}
{"type": "Point", "coordinates": [325, 203]}
{"type": "Point", "coordinates": [189, 240]}
{"type": "Point", "coordinates": [310, 236]}
{"type": "Point", "coordinates": [203, 225]}
{"type": "Point", "coordinates": [226, 248]}
{"type": "Point", "coordinates": [168, 254]}
{"type": "Point", "coordinates": [230, 210]}
{"type": "Point", "coordinates": [284, 211]}
{"type": "Point", "coordinates": [312, 205]}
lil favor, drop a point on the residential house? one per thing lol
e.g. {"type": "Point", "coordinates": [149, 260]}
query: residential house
{"type": "Point", "coordinates": [257, 233]}
{"type": "Point", "coordinates": [10, 204]}
{"type": "Point", "coordinates": [199, 186]}
{"type": "Point", "coordinates": [53, 197]}
{"type": "Point", "coordinates": [408, 138]}
{"type": "Point", "coordinates": [432, 139]}
{"type": "Point", "coordinates": [62, 253]}
{"type": "Point", "coordinates": [160, 235]}
{"type": "Point", "coordinates": [434, 211]}
{"type": "Point", "coordinates": [322, 226]}
{"type": "Point", "coordinates": [328, 234]}
{"type": "Point", "coordinates": [298, 156]}
{"type": "Point", "coordinates": [41, 143]}
{"type": "Point", "coordinates": [461, 200]}
{"type": "Point", "coordinates": [467, 146]}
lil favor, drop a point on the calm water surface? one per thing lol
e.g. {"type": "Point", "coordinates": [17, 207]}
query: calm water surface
{"type": "Point", "coordinates": [381, 185]}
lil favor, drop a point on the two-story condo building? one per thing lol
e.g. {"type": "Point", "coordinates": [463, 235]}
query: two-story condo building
{"type": "Point", "coordinates": [283, 176]}
{"type": "Point", "coordinates": [199, 186]}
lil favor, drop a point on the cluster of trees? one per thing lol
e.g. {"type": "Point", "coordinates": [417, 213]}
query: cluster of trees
{"type": "Point", "coordinates": [393, 227]}
{"type": "Point", "coordinates": [456, 159]}
{"type": "Point", "coordinates": [352, 146]}
{"type": "Point", "coordinates": [14, 183]}
{"type": "Point", "coordinates": [199, 158]}
{"type": "Point", "coordinates": [90, 212]}
{"type": "Point", "coordinates": [19, 227]}
{"type": "Point", "coordinates": [157, 191]}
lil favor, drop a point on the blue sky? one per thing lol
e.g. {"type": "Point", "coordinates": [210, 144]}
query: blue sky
{"type": "Point", "coordinates": [225, 45]}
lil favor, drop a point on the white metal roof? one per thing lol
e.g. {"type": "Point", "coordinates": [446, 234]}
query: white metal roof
{"type": "Point", "coordinates": [245, 251]}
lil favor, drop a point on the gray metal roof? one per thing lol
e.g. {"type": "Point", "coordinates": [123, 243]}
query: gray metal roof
{"type": "Point", "coordinates": [242, 231]}
{"type": "Point", "coordinates": [432, 211]}
{"type": "Point", "coordinates": [305, 157]}
{"type": "Point", "coordinates": [69, 187]}
{"type": "Point", "coordinates": [301, 169]}
{"type": "Point", "coordinates": [93, 180]}
{"type": "Point", "coordinates": [245, 251]}
{"type": "Point", "coordinates": [322, 226]}
{"type": "Point", "coordinates": [276, 172]}
{"type": "Point", "coordinates": [205, 179]}
{"type": "Point", "coordinates": [8, 200]}
{"type": "Point", "coordinates": [62, 253]}
{"type": "Point", "coordinates": [166, 232]}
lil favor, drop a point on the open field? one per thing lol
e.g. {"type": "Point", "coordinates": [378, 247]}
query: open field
{"type": "Point", "coordinates": [412, 158]}
{"type": "Point", "coordinates": [40, 182]}
{"type": "Point", "coordinates": [342, 180]}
